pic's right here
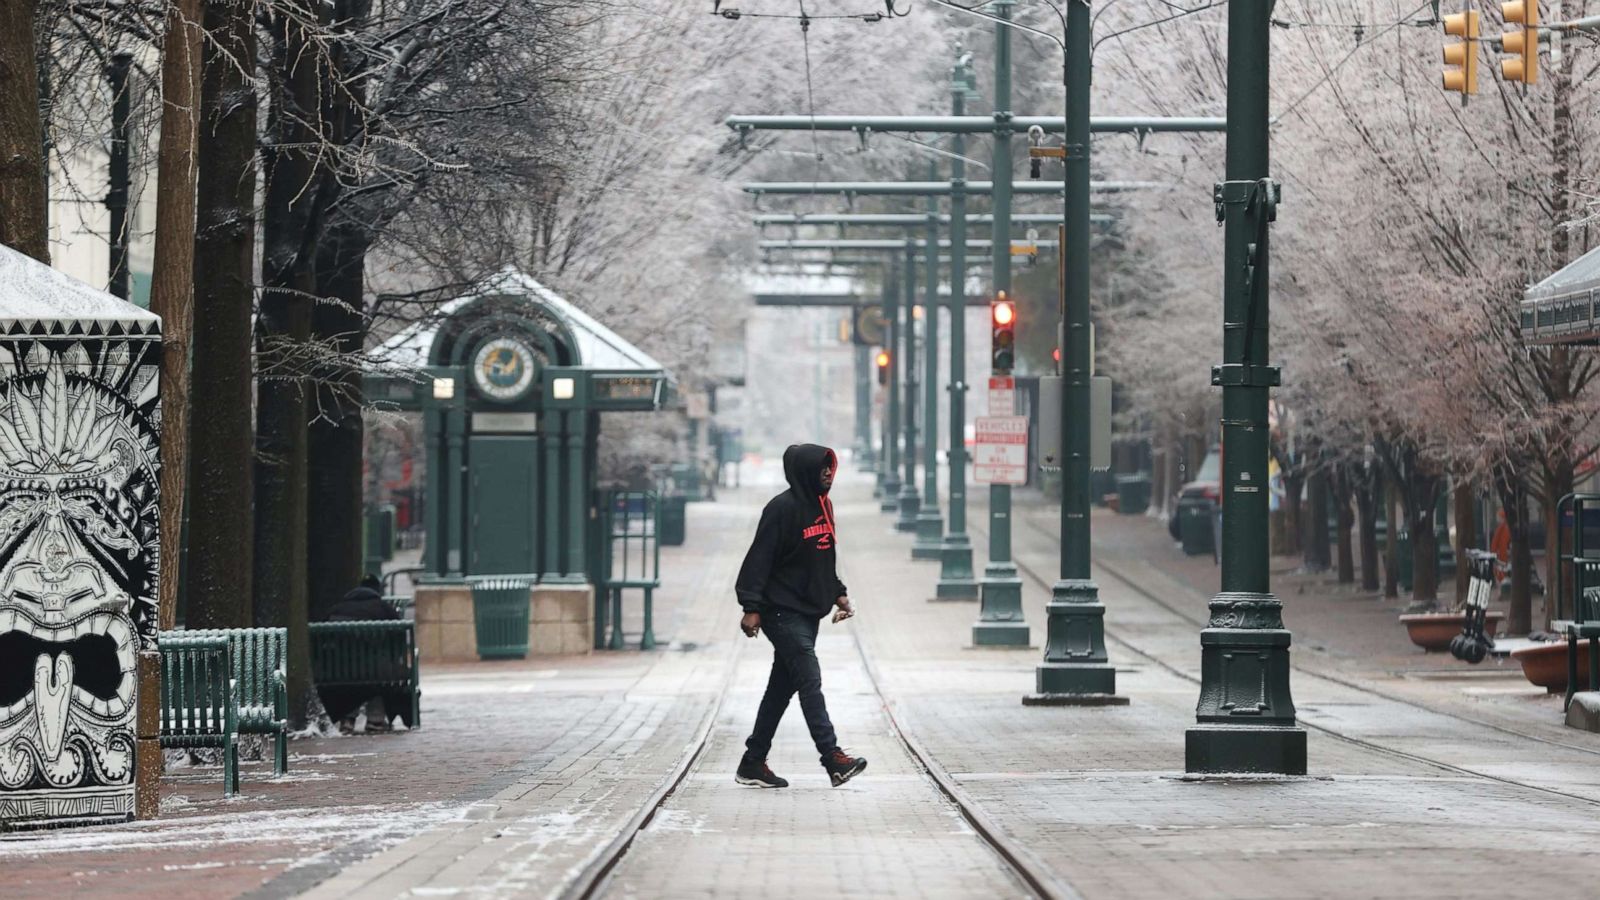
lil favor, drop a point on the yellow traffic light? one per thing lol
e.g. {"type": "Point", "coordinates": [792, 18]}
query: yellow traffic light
{"type": "Point", "coordinates": [1462, 57]}
{"type": "Point", "coordinates": [1522, 44]}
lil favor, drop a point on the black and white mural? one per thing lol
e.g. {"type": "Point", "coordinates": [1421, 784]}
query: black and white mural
{"type": "Point", "coordinates": [79, 542]}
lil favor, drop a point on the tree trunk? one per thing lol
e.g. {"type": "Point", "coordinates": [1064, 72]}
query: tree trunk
{"type": "Point", "coordinates": [222, 451]}
{"type": "Point", "coordinates": [1424, 492]}
{"type": "Point", "coordinates": [1315, 551]}
{"type": "Point", "coordinates": [1558, 478]}
{"type": "Point", "coordinates": [1466, 536]}
{"type": "Point", "coordinates": [290, 229]}
{"type": "Point", "coordinates": [1514, 499]}
{"type": "Point", "coordinates": [172, 278]}
{"type": "Point", "coordinates": [334, 559]}
{"type": "Point", "coordinates": [1293, 481]}
{"type": "Point", "coordinates": [1366, 488]}
{"type": "Point", "coordinates": [1341, 500]}
{"type": "Point", "coordinates": [1391, 539]}
{"type": "Point", "coordinates": [336, 433]}
{"type": "Point", "coordinates": [24, 204]}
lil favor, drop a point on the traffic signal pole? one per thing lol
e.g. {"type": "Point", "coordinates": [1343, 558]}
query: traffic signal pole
{"type": "Point", "coordinates": [1076, 670]}
{"type": "Point", "coordinates": [956, 580]}
{"type": "Point", "coordinates": [1245, 719]}
{"type": "Point", "coordinates": [1000, 617]}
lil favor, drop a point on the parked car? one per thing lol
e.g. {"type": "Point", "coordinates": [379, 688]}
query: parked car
{"type": "Point", "coordinates": [1207, 484]}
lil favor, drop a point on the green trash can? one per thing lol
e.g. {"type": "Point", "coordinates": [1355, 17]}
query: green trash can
{"type": "Point", "coordinates": [1133, 494]}
{"type": "Point", "coordinates": [1194, 527]}
{"type": "Point", "coordinates": [500, 613]}
{"type": "Point", "coordinates": [674, 524]}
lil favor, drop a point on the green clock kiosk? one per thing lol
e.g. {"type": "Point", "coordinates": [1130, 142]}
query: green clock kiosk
{"type": "Point", "coordinates": [512, 380]}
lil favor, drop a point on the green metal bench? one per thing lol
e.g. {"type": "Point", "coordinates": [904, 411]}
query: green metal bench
{"type": "Point", "coordinates": [259, 658]}
{"type": "Point", "coordinates": [199, 706]}
{"type": "Point", "coordinates": [372, 657]}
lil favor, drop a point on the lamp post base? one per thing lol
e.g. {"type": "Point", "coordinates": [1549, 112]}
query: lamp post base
{"type": "Point", "coordinates": [890, 498]}
{"type": "Point", "coordinates": [910, 505]}
{"type": "Point", "coordinates": [1075, 663]}
{"type": "Point", "coordinates": [1000, 621]}
{"type": "Point", "coordinates": [1255, 749]}
{"type": "Point", "coordinates": [955, 570]}
{"type": "Point", "coordinates": [930, 535]}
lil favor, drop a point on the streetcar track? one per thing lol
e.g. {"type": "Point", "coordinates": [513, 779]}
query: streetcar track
{"type": "Point", "coordinates": [1033, 575]}
{"type": "Point", "coordinates": [1027, 867]}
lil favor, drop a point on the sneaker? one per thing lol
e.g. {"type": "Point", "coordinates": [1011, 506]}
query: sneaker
{"type": "Point", "coordinates": [842, 767]}
{"type": "Point", "coordinates": [757, 774]}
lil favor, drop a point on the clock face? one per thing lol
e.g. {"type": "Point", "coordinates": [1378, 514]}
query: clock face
{"type": "Point", "coordinates": [503, 369]}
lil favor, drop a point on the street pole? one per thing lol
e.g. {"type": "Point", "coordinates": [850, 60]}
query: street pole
{"type": "Point", "coordinates": [930, 525]}
{"type": "Point", "coordinates": [863, 446]}
{"type": "Point", "coordinates": [1245, 719]}
{"type": "Point", "coordinates": [956, 581]}
{"type": "Point", "coordinates": [909, 501]}
{"type": "Point", "coordinates": [1000, 618]}
{"type": "Point", "coordinates": [891, 441]}
{"type": "Point", "coordinates": [1075, 670]}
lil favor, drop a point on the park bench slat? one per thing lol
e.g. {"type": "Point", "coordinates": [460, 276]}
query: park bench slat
{"type": "Point", "coordinates": [199, 703]}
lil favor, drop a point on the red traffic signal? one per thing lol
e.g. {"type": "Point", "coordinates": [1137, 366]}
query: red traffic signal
{"type": "Point", "coordinates": [1002, 333]}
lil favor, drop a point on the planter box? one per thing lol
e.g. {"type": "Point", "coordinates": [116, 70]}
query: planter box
{"type": "Point", "coordinates": [1546, 664]}
{"type": "Point", "coordinates": [1433, 631]}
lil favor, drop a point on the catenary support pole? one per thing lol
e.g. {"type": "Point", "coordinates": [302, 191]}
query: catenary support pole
{"type": "Point", "coordinates": [930, 524]}
{"type": "Point", "coordinates": [909, 498]}
{"type": "Point", "coordinates": [956, 581]}
{"type": "Point", "coordinates": [863, 440]}
{"type": "Point", "coordinates": [1075, 670]}
{"type": "Point", "coordinates": [1245, 716]}
{"type": "Point", "coordinates": [890, 502]}
{"type": "Point", "coordinates": [1000, 618]}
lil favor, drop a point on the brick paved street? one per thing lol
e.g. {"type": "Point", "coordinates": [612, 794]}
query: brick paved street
{"type": "Point", "coordinates": [1422, 784]}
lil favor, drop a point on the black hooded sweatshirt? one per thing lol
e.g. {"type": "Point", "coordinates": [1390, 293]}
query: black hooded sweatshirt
{"type": "Point", "coordinates": [792, 563]}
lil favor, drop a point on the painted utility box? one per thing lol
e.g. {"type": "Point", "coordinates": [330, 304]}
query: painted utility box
{"type": "Point", "coordinates": [79, 543]}
{"type": "Point", "coordinates": [512, 381]}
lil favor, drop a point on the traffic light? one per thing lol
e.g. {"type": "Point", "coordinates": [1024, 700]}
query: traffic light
{"type": "Point", "coordinates": [883, 367]}
{"type": "Point", "coordinates": [1521, 44]}
{"type": "Point", "coordinates": [1461, 58]}
{"type": "Point", "coordinates": [1003, 333]}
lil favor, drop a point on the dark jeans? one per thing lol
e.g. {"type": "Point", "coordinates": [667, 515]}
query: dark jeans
{"type": "Point", "coordinates": [794, 671]}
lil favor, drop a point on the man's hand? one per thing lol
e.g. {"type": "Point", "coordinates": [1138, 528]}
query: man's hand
{"type": "Point", "coordinates": [750, 624]}
{"type": "Point", "coordinates": [845, 610]}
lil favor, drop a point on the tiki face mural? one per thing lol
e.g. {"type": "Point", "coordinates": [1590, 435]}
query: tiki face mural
{"type": "Point", "coordinates": [79, 538]}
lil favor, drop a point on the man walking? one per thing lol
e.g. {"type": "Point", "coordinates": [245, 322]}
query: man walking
{"type": "Point", "coordinates": [788, 582]}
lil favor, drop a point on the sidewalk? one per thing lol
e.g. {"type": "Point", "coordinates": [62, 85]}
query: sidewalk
{"type": "Point", "coordinates": [1401, 802]}
{"type": "Point", "coordinates": [551, 750]}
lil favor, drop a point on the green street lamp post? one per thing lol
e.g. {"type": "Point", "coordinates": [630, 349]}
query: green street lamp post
{"type": "Point", "coordinates": [956, 580]}
{"type": "Point", "coordinates": [1076, 670]}
{"type": "Point", "coordinates": [1000, 618]}
{"type": "Point", "coordinates": [909, 500]}
{"type": "Point", "coordinates": [930, 524]}
{"type": "Point", "coordinates": [890, 500]}
{"type": "Point", "coordinates": [1245, 719]}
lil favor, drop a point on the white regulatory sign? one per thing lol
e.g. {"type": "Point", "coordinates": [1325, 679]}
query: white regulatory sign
{"type": "Point", "coordinates": [1000, 451]}
{"type": "Point", "coordinates": [1002, 395]}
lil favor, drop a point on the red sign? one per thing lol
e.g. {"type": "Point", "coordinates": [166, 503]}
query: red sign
{"type": "Point", "coordinates": [1002, 395]}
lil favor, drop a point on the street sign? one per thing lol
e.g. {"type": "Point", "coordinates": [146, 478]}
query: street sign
{"type": "Point", "coordinates": [1002, 395]}
{"type": "Point", "coordinates": [1000, 453]}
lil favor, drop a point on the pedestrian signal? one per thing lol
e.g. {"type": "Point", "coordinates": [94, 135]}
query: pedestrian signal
{"type": "Point", "coordinates": [883, 367]}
